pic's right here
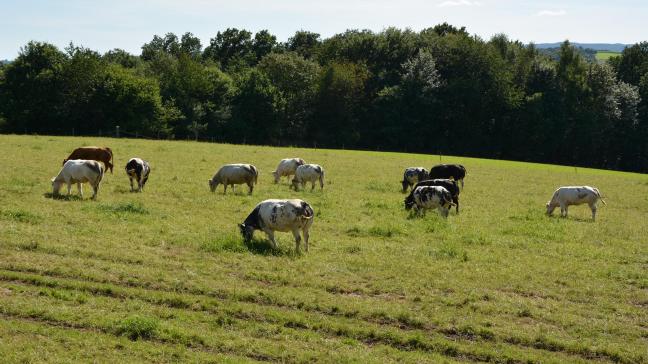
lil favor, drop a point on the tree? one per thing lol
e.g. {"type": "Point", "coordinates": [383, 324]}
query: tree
{"type": "Point", "coordinates": [255, 110]}
{"type": "Point", "coordinates": [304, 43]}
{"type": "Point", "coordinates": [30, 93]}
{"type": "Point", "coordinates": [231, 47]}
{"type": "Point", "coordinates": [168, 45]}
{"type": "Point", "coordinates": [296, 80]}
{"type": "Point", "coordinates": [121, 57]}
{"type": "Point", "coordinates": [264, 43]}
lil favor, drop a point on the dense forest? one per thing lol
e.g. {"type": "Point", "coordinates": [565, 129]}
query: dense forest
{"type": "Point", "coordinates": [440, 90]}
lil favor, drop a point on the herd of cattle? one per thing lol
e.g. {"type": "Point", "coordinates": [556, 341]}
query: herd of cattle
{"type": "Point", "coordinates": [438, 188]}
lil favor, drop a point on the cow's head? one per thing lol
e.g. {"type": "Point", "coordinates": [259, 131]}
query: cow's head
{"type": "Point", "coordinates": [246, 232]}
{"type": "Point", "coordinates": [275, 174]}
{"type": "Point", "coordinates": [550, 208]}
{"type": "Point", "coordinates": [212, 185]}
{"type": "Point", "coordinates": [56, 187]}
{"type": "Point", "coordinates": [409, 202]}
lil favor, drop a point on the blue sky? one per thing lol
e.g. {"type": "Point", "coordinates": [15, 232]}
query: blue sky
{"type": "Point", "coordinates": [103, 25]}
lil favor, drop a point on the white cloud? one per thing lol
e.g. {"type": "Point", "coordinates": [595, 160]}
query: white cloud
{"type": "Point", "coordinates": [551, 13]}
{"type": "Point", "coordinates": [452, 3]}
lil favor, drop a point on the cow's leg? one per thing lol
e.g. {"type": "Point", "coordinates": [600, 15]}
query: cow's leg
{"type": "Point", "coordinates": [69, 188]}
{"type": "Point", "coordinates": [303, 184]}
{"type": "Point", "coordinates": [80, 189]}
{"type": "Point", "coordinates": [456, 201]}
{"type": "Point", "coordinates": [271, 237]}
{"type": "Point", "coordinates": [224, 188]}
{"type": "Point", "coordinates": [312, 185]}
{"type": "Point", "coordinates": [95, 189]}
{"type": "Point", "coordinates": [297, 239]}
{"type": "Point", "coordinates": [251, 187]}
{"type": "Point", "coordinates": [593, 208]}
{"type": "Point", "coordinates": [131, 183]}
{"type": "Point", "coordinates": [306, 236]}
{"type": "Point", "coordinates": [563, 210]}
{"type": "Point", "coordinates": [144, 181]}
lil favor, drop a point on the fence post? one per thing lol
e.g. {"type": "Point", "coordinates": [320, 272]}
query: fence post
{"type": "Point", "coordinates": [72, 131]}
{"type": "Point", "coordinates": [117, 131]}
{"type": "Point", "coordinates": [136, 135]}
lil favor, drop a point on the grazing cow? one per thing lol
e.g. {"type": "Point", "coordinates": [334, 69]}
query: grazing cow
{"type": "Point", "coordinates": [287, 168]}
{"type": "Point", "coordinates": [279, 215]}
{"type": "Point", "coordinates": [432, 197]}
{"type": "Point", "coordinates": [138, 170]}
{"type": "Point", "coordinates": [235, 174]}
{"type": "Point", "coordinates": [451, 185]}
{"type": "Point", "coordinates": [574, 195]}
{"type": "Point", "coordinates": [308, 173]}
{"type": "Point", "coordinates": [101, 154]}
{"type": "Point", "coordinates": [446, 171]}
{"type": "Point", "coordinates": [79, 171]}
{"type": "Point", "coordinates": [414, 175]}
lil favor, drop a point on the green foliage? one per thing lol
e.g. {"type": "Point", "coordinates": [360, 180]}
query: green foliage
{"type": "Point", "coordinates": [357, 89]}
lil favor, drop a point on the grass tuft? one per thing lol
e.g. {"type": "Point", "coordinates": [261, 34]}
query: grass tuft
{"type": "Point", "coordinates": [121, 208]}
{"type": "Point", "coordinates": [137, 327]}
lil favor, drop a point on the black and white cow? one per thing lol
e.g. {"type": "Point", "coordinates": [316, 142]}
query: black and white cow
{"type": "Point", "coordinates": [447, 171]}
{"type": "Point", "coordinates": [308, 173]}
{"type": "Point", "coordinates": [138, 169]}
{"type": "Point", "coordinates": [234, 174]}
{"type": "Point", "coordinates": [432, 197]}
{"type": "Point", "coordinates": [279, 215]}
{"type": "Point", "coordinates": [413, 175]}
{"type": "Point", "coordinates": [451, 185]}
{"type": "Point", "coordinates": [574, 195]}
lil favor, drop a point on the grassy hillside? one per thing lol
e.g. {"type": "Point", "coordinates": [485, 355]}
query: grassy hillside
{"type": "Point", "coordinates": [605, 55]}
{"type": "Point", "coordinates": [164, 276]}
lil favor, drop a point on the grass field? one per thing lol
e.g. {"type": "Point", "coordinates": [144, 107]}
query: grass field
{"type": "Point", "coordinates": [163, 276]}
{"type": "Point", "coordinates": [605, 55]}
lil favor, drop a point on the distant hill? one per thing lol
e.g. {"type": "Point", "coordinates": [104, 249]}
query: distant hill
{"type": "Point", "coordinates": [614, 47]}
{"type": "Point", "coordinates": [4, 61]}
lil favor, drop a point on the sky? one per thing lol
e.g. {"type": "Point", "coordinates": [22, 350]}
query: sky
{"type": "Point", "coordinates": [128, 24]}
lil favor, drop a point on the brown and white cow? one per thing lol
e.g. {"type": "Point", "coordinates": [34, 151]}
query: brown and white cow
{"type": "Point", "coordinates": [101, 154]}
{"type": "Point", "coordinates": [234, 174]}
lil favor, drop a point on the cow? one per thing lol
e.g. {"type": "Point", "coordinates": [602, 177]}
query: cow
{"type": "Point", "coordinates": [412, 175]}
{"type": "Point", "coordinates": [446, 171]}
{"type": "Point", "coordinates": [574, 195]}
{"type": "Point", "coordinates": [235, 174]}
{"type": "Point", "coordinates": [79, 171]}
{"type": "Point", "coordinates": [431, 197]}
{"type": "Point", "coordinates": [308, 173]}
{"type": "Point", "coordinates": [451, 185]}
{"type": "Point", "coordinates": [279, 215]}
{"type": "Point", "coordinates": [101, 154]}
{"type": "Point", "coordinates": [287, 168]}
{"type": "Point", "coordinates": [138, 170]}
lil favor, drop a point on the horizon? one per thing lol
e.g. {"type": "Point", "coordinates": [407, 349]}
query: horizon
{"type": "Point", "coordinates": [119, 24]}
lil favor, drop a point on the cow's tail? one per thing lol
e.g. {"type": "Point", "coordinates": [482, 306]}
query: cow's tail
{"type": "Point", "coordinates": [255, 172]}
{"type": "Point", "coordinates": [598, 193]}
{"type": "Point", "coordinates": [321, 178]}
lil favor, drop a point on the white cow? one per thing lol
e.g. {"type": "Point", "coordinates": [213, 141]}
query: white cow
{"type": "Point", "coordinates": [79, 171]}
{"type": "Point", "coordinates": [287, 168]}
{"type": "Point", "coordinates": [432, 197]}
{"type": "Point", "coordinates": [279, 215]}
{"type": "Point", "coordinates": [574, 195]}
{"type": "Point", "coordinates": [308, 173]}
{"type": "Point", "coordinates": [234, 174]}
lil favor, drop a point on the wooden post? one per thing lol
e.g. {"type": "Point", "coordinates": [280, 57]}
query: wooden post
{"type": "Point", "coordinates": [117, 131]}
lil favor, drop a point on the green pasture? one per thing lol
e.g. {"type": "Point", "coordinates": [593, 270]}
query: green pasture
{"type": "Point", "coordinates": [163, 276]}
{"type": "Point", "coordinates": [605, 55]}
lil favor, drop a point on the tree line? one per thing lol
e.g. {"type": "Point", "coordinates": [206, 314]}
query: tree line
{"type": "Point", "coordinates": [439, 90]}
